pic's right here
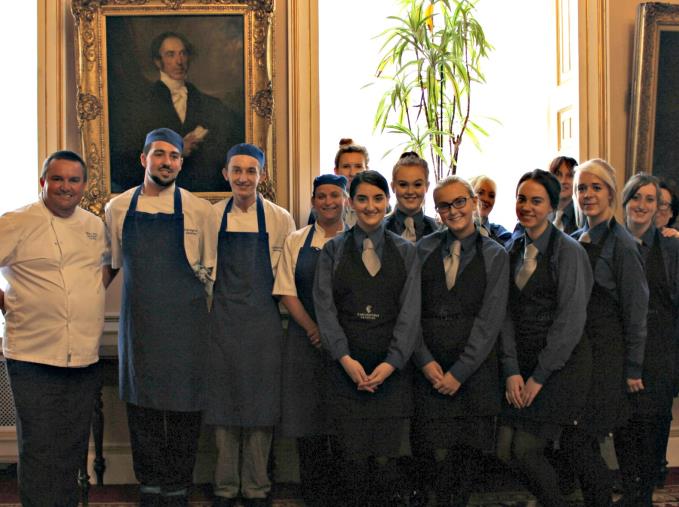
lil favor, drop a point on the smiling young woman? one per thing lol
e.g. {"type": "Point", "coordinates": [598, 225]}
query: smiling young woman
{"type": "Point", "coordinates": [616, 326]}
{"type": "Point", "coordinates": [457, 392]}
{"type": "Point", "coordinates": [367, 301]}
{"type": "Point", "coordinates": [486, 189]}
{"type": "Point", "coordinates": [303, 414]}
{"type": "Point", "coordinates": [545, 356]}
{"type": "Point", "coordinates": [410, 182]}
{"type": "Point", "coordinates": [640, 445]}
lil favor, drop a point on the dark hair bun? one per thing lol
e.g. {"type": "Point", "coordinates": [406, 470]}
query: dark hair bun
{"type": "Point", "coordinates": [346, 141]}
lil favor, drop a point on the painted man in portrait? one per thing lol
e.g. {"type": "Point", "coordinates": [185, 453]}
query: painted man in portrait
{"type": "Point", "coordinates": [208, 127]}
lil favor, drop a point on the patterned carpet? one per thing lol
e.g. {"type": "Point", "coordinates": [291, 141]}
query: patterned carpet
{"type": "Point", "coordinates": [285, 496]}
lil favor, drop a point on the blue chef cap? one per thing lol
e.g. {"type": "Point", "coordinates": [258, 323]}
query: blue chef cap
{"type": "Point", "coordinates": [167, 135]}
{"type": "Point", "coordinates": [330, 179]}
{"type": "Point", "coordinates": [246, 149]}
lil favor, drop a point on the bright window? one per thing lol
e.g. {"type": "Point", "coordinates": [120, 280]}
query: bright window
{"type": "Point", "coordinates": [19, 130]}
{"type": "Point", "coordinates": [519, 79]}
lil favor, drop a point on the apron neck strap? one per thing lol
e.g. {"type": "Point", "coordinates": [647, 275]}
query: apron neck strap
{"type": "Point", "coordinates": [177, 200]}
{"type": "Point", "coordinates": [309, 237]}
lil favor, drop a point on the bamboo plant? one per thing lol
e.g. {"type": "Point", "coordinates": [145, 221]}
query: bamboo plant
{"type": "Point", "coordinates": [431, 58]}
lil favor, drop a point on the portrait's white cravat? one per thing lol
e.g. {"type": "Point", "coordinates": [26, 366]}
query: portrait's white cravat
{"type": "Point", "coordinates": [179, 94]}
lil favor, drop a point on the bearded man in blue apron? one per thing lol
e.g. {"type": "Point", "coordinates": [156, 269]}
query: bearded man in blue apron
{"type": "Point", "coordinates": [164, 239]}
{"type": "Point", "coordinates": [246, 338]}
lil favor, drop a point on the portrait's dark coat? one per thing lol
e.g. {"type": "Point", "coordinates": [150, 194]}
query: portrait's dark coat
{"type": "Point", "coordinates": [201, 170]}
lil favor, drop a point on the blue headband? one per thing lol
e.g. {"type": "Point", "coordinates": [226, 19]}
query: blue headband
{"type": "Point", "coordinates": [330, 179]}
{"type": "Point", "coordinates": [246, 149]}
{"type": "Point", "coordinates": [167, 135]}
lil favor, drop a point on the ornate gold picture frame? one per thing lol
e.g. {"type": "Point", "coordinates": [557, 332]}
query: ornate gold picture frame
{"type": "Point", "coordinates": [654, 111]}
{"type": "Point", "coordinates": [124, 90]}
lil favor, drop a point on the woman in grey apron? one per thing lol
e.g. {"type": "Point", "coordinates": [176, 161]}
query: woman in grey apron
{"type": "Point", "coordinates": [304, 363]}
{"type": "Point", "coordinates": [457, 394]}
{"type": "Point", "coordinates": [367, 301]}
{"type": "Point", "coordinates": [616, 328]}
{"type": "Point", "coordinates": [546, 360]}
{"type": "Point", "coordinates": [640, 442]}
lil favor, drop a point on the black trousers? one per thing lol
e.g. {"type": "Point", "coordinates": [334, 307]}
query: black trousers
{"type": "Point", "coordinates": [54, 409]}
{"type": "Point", "coordinates": [582, 453]}
{"type": "Point", "coordinates": [637, 446]}
{"type": "Point", "coordinates": [164, 446]}
{"type": "Point", "coordinates": [319, 470]}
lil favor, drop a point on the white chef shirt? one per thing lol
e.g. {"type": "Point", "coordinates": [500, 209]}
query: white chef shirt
{"type": "Point", "coordinates": [279, 224]}
{"type": "Point", "coordinates": [55, 295]}
{"type": "Point", "coordinates": [200, 238]}
{"type": "Point", "coordinates": [285, 276]}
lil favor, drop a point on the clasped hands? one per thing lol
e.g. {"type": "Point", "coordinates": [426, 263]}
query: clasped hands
{"type": "Point", "coordinates": [521, 394]}
{"type": "Point", "coordinates": [444, 383]}
{"type": "Point", "coordinates": [363, 381]}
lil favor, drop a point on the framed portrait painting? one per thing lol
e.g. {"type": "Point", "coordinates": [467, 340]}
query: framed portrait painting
{"type": "Point", "coordinates": [201, 68]}
{"type": "Point", "coordinates": [654, 111]}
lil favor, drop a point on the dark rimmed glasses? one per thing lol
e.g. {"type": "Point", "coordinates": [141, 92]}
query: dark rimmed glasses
{"type": "Point", "coordinates": [458, 203]}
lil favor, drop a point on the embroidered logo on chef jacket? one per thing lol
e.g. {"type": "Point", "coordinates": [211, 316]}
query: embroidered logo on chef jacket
{"type": "Point", "coordinates": [92, 236]}
{"type": "Point", "coordinates": [368, 314]}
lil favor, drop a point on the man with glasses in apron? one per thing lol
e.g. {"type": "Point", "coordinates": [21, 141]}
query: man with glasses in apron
{"type": "Point", "coordinates": [164, 239]}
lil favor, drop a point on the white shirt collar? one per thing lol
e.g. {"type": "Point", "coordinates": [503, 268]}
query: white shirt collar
{"type": "Point", "coordinates": [175, 85]}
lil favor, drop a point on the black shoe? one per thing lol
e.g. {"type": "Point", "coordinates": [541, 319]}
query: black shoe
{"type": "Point", "coordinates": [222, 501]}
{"type": "Point", "coordinates": [662, 476]}
{"type": "Point", "coordinates": [257, 502]}
{"type": "Point", "coordinates": [418, 498]}
{"type": "Point", "coordinates": [150, 500]}
{"type": "Point", "coordinates": [176, 501]}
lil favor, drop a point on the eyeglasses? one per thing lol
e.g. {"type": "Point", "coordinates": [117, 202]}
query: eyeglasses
{"type": "Point", "coordinates": [663, 205]}
{"type": "Point", "coordinates": [458, 203]}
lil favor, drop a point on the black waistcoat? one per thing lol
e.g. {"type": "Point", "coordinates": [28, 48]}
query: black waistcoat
{"type": "Point", "coordinates": [658, 372]}
{"type": "Point", "coordinates": [447, 320]}
{"type": "Point", "coordinates": [532, 310]}
{"type": "Point", "coordinates": [607, 405]}
{"type": "Point", "coordinates": [367, 310]}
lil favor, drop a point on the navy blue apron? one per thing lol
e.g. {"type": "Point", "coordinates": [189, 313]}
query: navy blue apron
{"type": "Point", "coordinates": [246, 336]}
{"type": "Point", "coordinates": [163, 331]}
{"type": "Point", "coordinates": [304, 365]}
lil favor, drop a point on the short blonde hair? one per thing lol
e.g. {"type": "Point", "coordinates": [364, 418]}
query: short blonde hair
{"type": "Point", "coordinates": [450, 180]}
{"type": "Point", "coordinates": [476, 181]}
{"type": "Point", "coordinates": [602, 170]}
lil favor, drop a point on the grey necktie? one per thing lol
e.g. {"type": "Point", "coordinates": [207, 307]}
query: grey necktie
{"type": "Point", "coordinates": [409, 231]}
{"type": "Point", "coordinates": [558, 219]}
{"type": "Point", "coordinates": [530, 263]}
{"type": "Point", "coordinates": [452, 263]}
{"type": "Point", "coordinates": [370, 259]}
